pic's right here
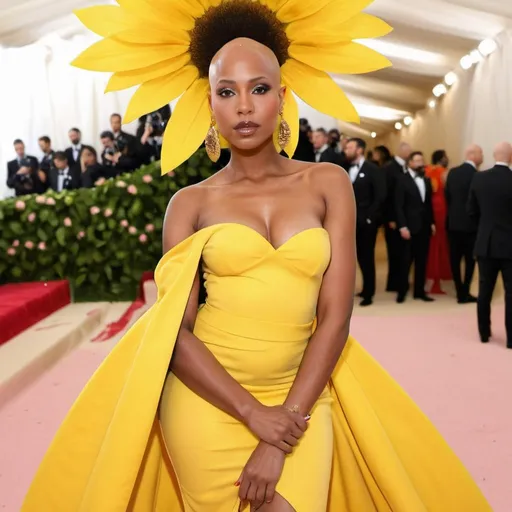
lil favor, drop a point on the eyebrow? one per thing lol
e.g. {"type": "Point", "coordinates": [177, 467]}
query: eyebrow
{"type": "Point", "coordinates": [233, 82]}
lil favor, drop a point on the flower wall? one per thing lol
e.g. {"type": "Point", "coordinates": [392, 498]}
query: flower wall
{"type": "Point", "coordinates": [101, 239]}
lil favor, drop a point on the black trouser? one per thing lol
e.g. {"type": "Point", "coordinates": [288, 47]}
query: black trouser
{"type": "Point", "coordinates": [488, 269]}
{"type": "Point", "coordinates": [393, 246]}
{"type": "Point", "coordinates": [462, 245]}
{"type": "Point", "coordinates": [414, 251]}
{"type": "Point", "coordinates": [366, 236]}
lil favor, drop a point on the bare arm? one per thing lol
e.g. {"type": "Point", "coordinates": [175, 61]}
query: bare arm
{"type": "Point", "coordinates": [336, 294]}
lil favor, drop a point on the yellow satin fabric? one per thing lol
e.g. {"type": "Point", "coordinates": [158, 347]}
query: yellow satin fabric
{"type": "Point", "coordinates": [109, 454]}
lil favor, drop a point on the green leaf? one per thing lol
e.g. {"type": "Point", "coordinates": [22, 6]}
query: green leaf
{"type": "Point", "coordinates": [44, 215]}
{"type": "Point", "coordinates": [16, 272]}
{"type": "Point", "coordinates": [108, 272]}
{"type": "Point", "coordinates": [136, 208]}
{"type": "Point", "coordinates": [63, 258]}
{"type": "Point", "coordinates": [16, 228]}
{"type": "Point", "coordinates": [60, 235]}
{"type": "Point", "coordinates": [41, 233]}
{"type": "Point", "coordinates": [97, 257]}
{"type": "Point", "coordinates": [80, 279]}
{"type": "Point", "coordinates": [94, 277]}
{"type": "Point", "coordinates": [112, 224]}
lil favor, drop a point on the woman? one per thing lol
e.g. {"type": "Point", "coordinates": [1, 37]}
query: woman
{"type": "Point", "coordinates": [438, 266]}
{"type": "Point", "coordinates": [382, 155]}
{"type": "Point", "coordinates": [261, 409]}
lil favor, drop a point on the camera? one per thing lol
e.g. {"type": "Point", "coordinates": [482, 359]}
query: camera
{"type": "Point", "coordinates": [157, 122]}
{"type": "Point", "coordinates": [121, 144]}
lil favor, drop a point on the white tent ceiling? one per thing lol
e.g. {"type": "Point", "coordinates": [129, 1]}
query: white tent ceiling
{"type": "Point", "coordinates": [429, 38]}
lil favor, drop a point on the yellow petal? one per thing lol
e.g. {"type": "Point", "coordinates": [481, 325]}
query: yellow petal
{"type": "Point", "coordinates": [360, 26]}
{"type": "Point", "coordinates": [318, 90]}
{"type": "Point", "coordinates": [160, 12]}
{"type": "Point", "coordinates": [291, 116]}
{"type": "Point", "coordinates": [126, 79]}
{"type": "Point", "coordinates": [293, 10]}
{"type": "Point", "coordinates": [156, 93]}
{"type": "Point", "coordinates": [188, 126]}
{"type": "Point", "coordinates": [112, 55]}
{"type": "Point", "coordinates": [105, 20]}
{"type": "Point", "coordinates": [349, 58]}
{"type": "Point", "coordinates": [141, 35]}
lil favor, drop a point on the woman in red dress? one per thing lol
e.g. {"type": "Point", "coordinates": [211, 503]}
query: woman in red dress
{"type": "Point", "coordinates": [438, 267]}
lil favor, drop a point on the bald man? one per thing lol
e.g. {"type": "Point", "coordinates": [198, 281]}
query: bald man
{"type": "Point", "coordinates": [396, 167]}
{"type": "Point", "coordinates": [490, 204]}
{"type": "Point", "coordinates": [461, 228]}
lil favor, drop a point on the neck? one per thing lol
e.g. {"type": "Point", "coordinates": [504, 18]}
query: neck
{"type": "Point", "coordinates": [256, 164]}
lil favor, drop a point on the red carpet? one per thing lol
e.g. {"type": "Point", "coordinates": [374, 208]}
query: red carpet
{"type": "Point", "coordinates": [24, 304]}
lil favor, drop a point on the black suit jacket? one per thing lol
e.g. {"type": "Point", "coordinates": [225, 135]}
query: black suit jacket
{"type": "Point", "coordinates": [456, 191]}
{"type": "Point", "coordinates": [91, 175]}
{"type": "Point", "coordinates": [411, 211]}
{"type": "Point", "coordinates": [490, 204]}
{"type": "Point", "coordinates": [14, 181]}
{"type": "Point", "coordinates": [70, 155]}
{"type": "Point", "coordinates": [370, 193]}
{"type": "Point", "coordinates": [74, 174]}
{"type": "Point", "coordinates": [392, 170]}
{"type": "Point", "coordinates": [330, 156]}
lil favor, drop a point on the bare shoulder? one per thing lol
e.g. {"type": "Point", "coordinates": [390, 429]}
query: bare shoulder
{"type": "Point", "coordinates": [330, 180]}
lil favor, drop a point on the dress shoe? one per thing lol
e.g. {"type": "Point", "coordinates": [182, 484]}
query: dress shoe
{"type": "Point", "coordinates": [484, 339]}
{"type": "Point", "coordinates": [400, 299]}
{"type": "Point", "coordinates": [366, 302]}
{"type": "Point", "coordinates": [424, 298]}
{"type": "Point", "coordinates": [469, 299]}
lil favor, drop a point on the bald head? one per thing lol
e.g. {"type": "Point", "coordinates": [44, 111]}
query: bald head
{"type": "Point", "coordinates": [404, 150]}
{"type": "Point", "coordinates": [474, 154]}
{"type": "Point", "coordinates": [503, 153]}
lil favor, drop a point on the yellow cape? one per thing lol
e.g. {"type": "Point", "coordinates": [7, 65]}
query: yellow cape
{"type": "Point", "coordinates": [108, 455]}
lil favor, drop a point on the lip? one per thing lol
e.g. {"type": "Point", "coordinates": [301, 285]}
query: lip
{"type": "Point", "coordinates": [246, 128]}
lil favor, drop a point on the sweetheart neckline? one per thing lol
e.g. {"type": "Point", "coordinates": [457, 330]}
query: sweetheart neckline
{"type": "Point", "coordinates": [257, 233]}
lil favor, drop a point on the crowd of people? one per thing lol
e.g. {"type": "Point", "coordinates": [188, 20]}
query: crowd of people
{"type": "Point", "coordinates": [79, 165]}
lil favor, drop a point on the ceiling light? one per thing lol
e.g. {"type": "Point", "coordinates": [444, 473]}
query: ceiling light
{"type": "Point", "coordinates": [408, 121]}
{"type": "Point", "coordinates": [374, 135]}
{"type": "Point", "coordinates": [439, 90]}
{"type": "Point", "coordinates": [450, 78]}
{"type": "Point", "coordinates": [487, 46]}
{"type": "Point", "coordinates": [398, 126]}
{"type": "Point", "coordinates": [476, 57]}
{"type": "Point", "coordinates": [432, 103]}
{"type": "Point", "coordinates": [378, 112]}
{"type": "Point", "coordinates": [466, 62]}
{"type": "Point", "coordinates": [393, 50]}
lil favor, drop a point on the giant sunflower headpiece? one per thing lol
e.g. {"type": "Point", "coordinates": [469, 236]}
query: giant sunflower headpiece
{"type": "Point", "coordinates": [166, 46]}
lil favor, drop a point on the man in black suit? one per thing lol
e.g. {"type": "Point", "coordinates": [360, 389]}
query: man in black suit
{"type": "Point", "coordinates": [460, 227]}
{"type": "Point", "coordinates": [74, 152]}
{"type": "Point", "coordinates": [22, 172]}
{"type": "Point", "coordinates": [62, 175]}
{"type": "Point", "coordinates": [134, 147]}
{"type": "Point", "coordinates": [415, 222]}
{"type": "Point", "coordinates": [490, 204]}
{"type": "Point", "coordinates": [323, 151]}
{"type": "Point", "coordinates": [393, 170]}
{"type": "Point", "coordinates": [369, 184]}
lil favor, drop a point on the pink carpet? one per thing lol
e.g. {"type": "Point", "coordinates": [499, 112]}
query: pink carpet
{"type": "Point", "coordinates": [462, 385]}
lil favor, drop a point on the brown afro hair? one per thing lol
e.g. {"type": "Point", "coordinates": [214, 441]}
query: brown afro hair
{"type": "Point", "coordinates": [231, 20]}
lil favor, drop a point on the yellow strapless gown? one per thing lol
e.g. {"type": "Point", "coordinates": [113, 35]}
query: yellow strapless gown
{"type": "Point", "coordinates": [369, 448]}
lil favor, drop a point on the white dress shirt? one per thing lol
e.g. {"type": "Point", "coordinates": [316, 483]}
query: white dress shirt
{"type": "Point", "coordinates": [318, 152]}
{"type": "Point", "coordinates": [354, 169]}
{"type": "Point", "coordinates": [76, 151]}
{"type": "Point", "coordinates": [470, 163]}
{"type": "Point", "coordinates": [504, 164]}
{"type": "Point", "coordinates": [62, 177]}
{"type": "Point", "coordinates": [420, 183]}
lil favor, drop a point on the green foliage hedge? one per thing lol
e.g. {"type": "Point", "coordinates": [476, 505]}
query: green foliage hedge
{"type": "Point", "coordinates": [101, 239]}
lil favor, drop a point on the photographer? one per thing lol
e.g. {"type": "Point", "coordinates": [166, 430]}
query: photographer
{"type": "Point", "coordinates": [62, 176]}
{"type": "Point", "coordinates": [22, 172]}
{"type": "Point", "coordinates": [116, 155]}
{"type": "Point", "coordinates": [91, 170]}
{"type": "Point", "coordinates": [150, 133]}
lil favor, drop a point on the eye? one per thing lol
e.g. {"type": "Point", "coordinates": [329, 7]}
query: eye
{"type": "Point", "coordinates": [225, 93]}
{"type": "Point", "coordinates": [261, 89]}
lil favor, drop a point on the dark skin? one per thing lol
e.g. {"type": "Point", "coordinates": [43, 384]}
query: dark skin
{"type": "Point", "coordinates": [278, 198]}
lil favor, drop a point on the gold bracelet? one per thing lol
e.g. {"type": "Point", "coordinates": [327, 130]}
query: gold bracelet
{"type": "Point", "coordinates": [293, 408]}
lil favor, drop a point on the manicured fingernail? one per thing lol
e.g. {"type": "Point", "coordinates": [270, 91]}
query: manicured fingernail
{"type": "Point", "coordinates": [237, 484]}
{"type": "Point", "coordinates": [308, 417]}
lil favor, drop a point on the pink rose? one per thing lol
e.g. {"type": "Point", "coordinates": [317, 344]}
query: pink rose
{"type": "Point", "coordinates": [40, 199]}
{"type": "Point", "coordinates": [132, 189]}
{"type": "Point", "coordinates": [108, 212]}
{"type": "Point", "coordinates": [94, 210]}
{"type": "Point", "coordinates": [124, 223]}
{"type": "Point", "coordinates": [132, 230]}
{"type": "Point", "coordinates": [50, 201]}
{"type": "Point", "coordinates": [11, 251]}
{"type": "Point", "coordinates": [147, 178]}
{"type": "Point", "coordinates": [80, 235]}
{"type": "Point", "coordinates": [143, 238]}
{"type": "Point", "coordinates": [68, 222]}
{"type": "Point", "coordinates": [29, 245]}
{"type": "Point", "coordinates": [171, 174]}
{"type": "Point", "coordinates": [121, 184]}
{"type": "Point", "coordinates": [42, 246]}
{"type": "Point", "coordinates": [32, 217]}
{"type": "Point", "coordinates": [16, 243]}
{"type": "Point", "coordinates": [150, 228]}
{"type": "Point", "coordinates": [20, 205]}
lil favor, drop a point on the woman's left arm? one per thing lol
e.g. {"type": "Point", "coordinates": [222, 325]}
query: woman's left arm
{"type": "Point", "coordinates": [336, 297]}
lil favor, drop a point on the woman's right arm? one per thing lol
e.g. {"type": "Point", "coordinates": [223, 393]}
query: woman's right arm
{"type": "Point", "coordinates": [197, 367]}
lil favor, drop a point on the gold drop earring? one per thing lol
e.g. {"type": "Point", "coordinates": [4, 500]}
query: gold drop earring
{"type": "Point", "coordinates": [284, 133]}
{"type": "Point", "coordinates": [212, 142]}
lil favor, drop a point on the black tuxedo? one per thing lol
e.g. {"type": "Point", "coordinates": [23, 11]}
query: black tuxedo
{"type": "Point", "coordinates": [330, 156]}
{"type": "Point", "coordinates": [417, 215]}
{"type": "Point", "coordinates": [370, 193]}
{"type": "Point", "coordinates": [70, 154]}
{"type": "Point", "coordinates": [392, 170]}
{"type": "Point", "coordinates": [27, 184]}
{"type": "Point", "coordinates": [490, 204]}
{"type": "Point", "coordinates": [134, 146]}
{"type": "Point", "coordinates": [460, 226]}
{"type": "Point", "coordinates": [73, 180]}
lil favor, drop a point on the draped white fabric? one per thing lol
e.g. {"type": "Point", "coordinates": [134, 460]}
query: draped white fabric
{"type": "Point", "coordinates": [477, 109]}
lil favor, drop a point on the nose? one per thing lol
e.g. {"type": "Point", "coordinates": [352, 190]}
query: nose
{"type": "Point", "coordinates": [245, 104]}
